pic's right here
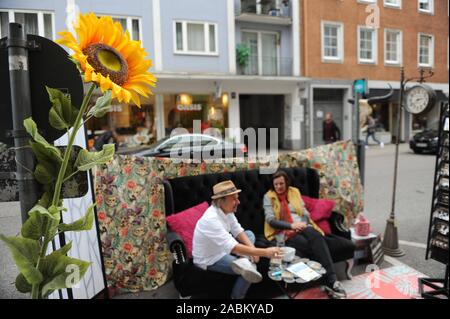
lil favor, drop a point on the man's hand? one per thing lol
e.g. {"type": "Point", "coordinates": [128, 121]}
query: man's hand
{"type": "Point", "coordinates": [273, 252]}
{"type": "Point", "coordinates": [298, 226]}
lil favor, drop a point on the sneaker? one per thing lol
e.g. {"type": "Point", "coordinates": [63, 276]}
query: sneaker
{"type": "Point", "coordinates": [246, 269]}
{"type": "Point", "coordinates": [366, 147]}
{"type": "Point", "coordinates": [336, 291]}
{"type": "Point", "coordinates": [382, 145]}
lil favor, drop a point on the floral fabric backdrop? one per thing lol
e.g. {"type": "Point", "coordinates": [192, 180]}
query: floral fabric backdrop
{"type": "Point", "coordinates": [130, 206]}
{"type": "Point", "coordinates": [339, 174]}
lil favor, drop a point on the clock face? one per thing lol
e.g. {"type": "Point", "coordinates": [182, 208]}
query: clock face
{"type": "Point", "coordinates": [417, 99]}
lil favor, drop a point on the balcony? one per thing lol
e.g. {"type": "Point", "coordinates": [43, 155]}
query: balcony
{"type": "Point", "coordinates": [267, 66]}
{"type": "Point", "coordinates": [275, 12]}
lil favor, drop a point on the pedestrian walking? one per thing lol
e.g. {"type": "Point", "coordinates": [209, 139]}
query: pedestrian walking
{"type": "Point", "coordinates": [371, 128]}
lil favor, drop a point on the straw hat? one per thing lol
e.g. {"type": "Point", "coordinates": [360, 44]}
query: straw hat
{"type": "Point", "coordinates": [224, 189]}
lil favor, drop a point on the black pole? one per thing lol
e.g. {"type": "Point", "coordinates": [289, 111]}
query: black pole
{"type": "Point", "coordinates": [19, 79]}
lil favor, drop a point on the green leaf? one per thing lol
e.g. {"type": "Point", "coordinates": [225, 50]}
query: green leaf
{"type": "Point", "coordinates": [25, 253]}
{"type": "Point", "coordinates": [31, 128]}
{"type": "Point", "coordinates": [22, 284]}
{"type": "Point", "coordinates": [84, 223]}
{"type": "Point", "coordinates": [48, 155]}
{"type": "Point", "coordinates": [61, 272]}
{"type": "Point", "coordinates": [62, 114]}
{"type": "Point", "coordinates": [45, 200]}
{"type": "Point", "coordinates": [65, 249]}
{"type": "Point", "coordinates": [102, 105]}
{"type": "Point", "coordinates": [34, 226]}
{"type": "Point", "coordinates": [87, 160]}
{"type": "Point", "coordinates": [43, 175]}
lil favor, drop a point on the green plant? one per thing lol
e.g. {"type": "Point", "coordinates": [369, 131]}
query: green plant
{"type": "Point", "coordinates": [121, 75]}
{"type": "Point", "coordinates": [242, 54]}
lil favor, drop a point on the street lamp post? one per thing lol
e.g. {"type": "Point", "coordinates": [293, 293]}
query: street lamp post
{"type": "Point", "coordinates": [390, 240]}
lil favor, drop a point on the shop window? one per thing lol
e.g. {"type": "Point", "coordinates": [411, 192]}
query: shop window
{"type": "Point", "coordinates": [183, 109]}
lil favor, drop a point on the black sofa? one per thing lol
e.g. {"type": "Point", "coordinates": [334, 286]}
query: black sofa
{"type": "Point", "coordinates": [184, 192]}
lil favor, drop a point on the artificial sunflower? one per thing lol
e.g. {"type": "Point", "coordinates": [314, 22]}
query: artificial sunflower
{"type": "Point", "coordinates": [107, 56]}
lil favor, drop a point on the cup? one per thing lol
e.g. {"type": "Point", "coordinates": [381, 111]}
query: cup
{"type": "Point", "coordinates": [280, 239]}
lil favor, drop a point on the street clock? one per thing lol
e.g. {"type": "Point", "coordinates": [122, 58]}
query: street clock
{"type": "Point", "coordinates": [420, 98]}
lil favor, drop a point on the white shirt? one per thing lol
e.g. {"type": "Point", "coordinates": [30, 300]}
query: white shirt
{"type": "Point", "coordinates": [214, 236]}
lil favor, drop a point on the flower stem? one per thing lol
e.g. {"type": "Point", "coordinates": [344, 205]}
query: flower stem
{"type": "Point", "coordinates": [35, 292]}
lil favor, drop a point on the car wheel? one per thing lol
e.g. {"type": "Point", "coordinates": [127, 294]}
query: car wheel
{"type": "Point", "coordinates": [417, 151]}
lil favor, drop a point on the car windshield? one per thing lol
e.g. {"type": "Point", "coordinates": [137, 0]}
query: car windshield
{"type": "Point", "coordinates": [186, 140]}
{"type": "Point", "coordinates": [159, 142]}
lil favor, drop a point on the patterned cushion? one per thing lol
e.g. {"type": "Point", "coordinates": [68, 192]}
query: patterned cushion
{"type": "Point", "coordinates": [320, 210]}
{"type": "Point", "coordinates": [183, 223]}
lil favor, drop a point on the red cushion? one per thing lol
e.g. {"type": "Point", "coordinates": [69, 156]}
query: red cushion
{"type": "Point", "coordinates": [183, 223]}
{"type": "Point", "coordinates": [320, 210]}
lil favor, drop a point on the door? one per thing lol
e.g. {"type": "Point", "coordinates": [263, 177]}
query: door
{"type": "Point", "coordinates": [327, 101]}
{"type": "Point", "coordinates": [269, 54]}
{"type": "Point", "coordinates": [262, 111]}
{"type": "Point", "coordinates": [251, 40]}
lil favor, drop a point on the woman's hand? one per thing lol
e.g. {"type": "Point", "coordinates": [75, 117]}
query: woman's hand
{"type": "Point", "coordinates": [298, 226]}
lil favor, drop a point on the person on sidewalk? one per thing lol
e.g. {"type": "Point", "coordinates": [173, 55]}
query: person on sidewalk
{"type": "Point", "coordinates": [285, 212]}
{"type": "Point", "coordinates": [330, 131]}
{"type": "Point", "coordinates": [371, 128]}
{"type": "Point", "coordinates": [219, 239]}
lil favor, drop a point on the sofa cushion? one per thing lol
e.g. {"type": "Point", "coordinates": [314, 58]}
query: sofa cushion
{"type": "Point", "coordinates": [320, 210]}
{"type": "Point", "coordinates": [183, 223]}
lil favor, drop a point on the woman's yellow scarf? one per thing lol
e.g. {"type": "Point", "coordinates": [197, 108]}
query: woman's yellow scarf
{"type": "Point", "coordinates": [294, 198]}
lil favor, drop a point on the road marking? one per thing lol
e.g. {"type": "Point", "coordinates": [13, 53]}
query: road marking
{"type": "Point", "coordinates": [412, 244]}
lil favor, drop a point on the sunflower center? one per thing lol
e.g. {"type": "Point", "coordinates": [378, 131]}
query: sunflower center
{"type": "Point", "coordinates": [107, 61]}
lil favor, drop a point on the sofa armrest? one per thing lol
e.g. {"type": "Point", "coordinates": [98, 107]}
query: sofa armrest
{"type": "Point", "coordinates": [338, 227]}
{"type": "Point", "coordinates": [177, 247]}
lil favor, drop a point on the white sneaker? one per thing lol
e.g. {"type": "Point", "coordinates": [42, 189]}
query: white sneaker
{"type": "Point", "coordinates": [246, 269]}
{"type": "Point", "coordinates": [366, 147]}
{"type": "Point", "coordinates": [382, 145]}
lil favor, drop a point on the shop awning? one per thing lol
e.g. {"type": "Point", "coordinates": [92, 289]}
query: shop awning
{"type": "Point", "coordinates": [183, 82]}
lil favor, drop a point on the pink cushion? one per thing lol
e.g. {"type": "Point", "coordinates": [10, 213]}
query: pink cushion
{"type": "Point", "coordinates": [183, 223]}
{"type": "Point", "coordinates": [320, 210]}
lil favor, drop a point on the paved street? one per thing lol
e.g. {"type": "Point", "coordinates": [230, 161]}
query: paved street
{"type": "Point", "coordinates": [415, 180]}
{"type": "Point", "coordinates": [413, 202]}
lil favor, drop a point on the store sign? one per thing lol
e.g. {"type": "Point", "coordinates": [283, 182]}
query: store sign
{"type": "Point", "coordinates": [192, 107]}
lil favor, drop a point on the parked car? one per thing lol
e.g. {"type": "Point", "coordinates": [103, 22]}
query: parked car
{"type": "Point", "coordinates": [198, 146]}
{"type": "Point", "coordinates": [425, 141]}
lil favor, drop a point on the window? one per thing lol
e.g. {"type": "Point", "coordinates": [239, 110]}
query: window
{"type": "Point", "coordinates": [426, 6]}
{"type": "Point", "coordinates": [367, 48]}
{"type": "Point", "coordinates": [38, 23]}
{"type": "Point", "coordinates": [367, 1]}
{"type": "Point", "coordinates": [195, 38]}
{"type": "Point", "coordinates": [264, 53]}
{"type": "Point", "coordinates": [426, 50]}
{"type": "Point", "coordinates": [332, 41]}
{"type": "Point", "coordinates": [133, 25]}
{"type": "Point", "coordinates": [393, 3]}
{"type": "Point", "coordinates": [392, 47]}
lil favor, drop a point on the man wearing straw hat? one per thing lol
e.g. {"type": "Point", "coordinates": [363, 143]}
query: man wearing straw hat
{"type": "Point", "coordinates": [218, 238]}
